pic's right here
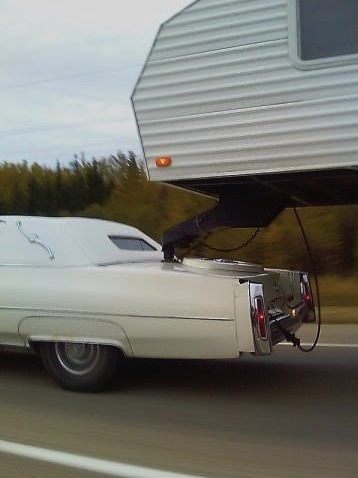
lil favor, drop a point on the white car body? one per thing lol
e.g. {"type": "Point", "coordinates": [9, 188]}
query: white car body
{"type": "Point", "coordinates": [64, 280]}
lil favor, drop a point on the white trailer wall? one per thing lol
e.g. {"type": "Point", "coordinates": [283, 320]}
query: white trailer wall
{"type": "Point", "coordinates": [222, 95]}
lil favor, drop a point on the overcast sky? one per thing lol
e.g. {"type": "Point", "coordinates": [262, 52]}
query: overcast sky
{"type": "Point", "coordinates": [68, 68]}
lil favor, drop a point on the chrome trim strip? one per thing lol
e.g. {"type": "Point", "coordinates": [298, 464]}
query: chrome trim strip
{"type": "Point", "coordinates": [263, 346]}
{"type": "Point", "coordinates": [110, 314]}
{"type": "Point", "coordinates": [80, 338]}
{"type": "Point", "coordinates": [281, 318]}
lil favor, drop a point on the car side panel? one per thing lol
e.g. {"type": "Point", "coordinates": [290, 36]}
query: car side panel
{"type": "Point", "coordinates": [149, 312]}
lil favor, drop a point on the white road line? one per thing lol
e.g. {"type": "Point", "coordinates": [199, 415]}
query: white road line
{"type": "Point", "coordinates": [348, 346]}
{"type": "Point", "coordinates": [106, 467]}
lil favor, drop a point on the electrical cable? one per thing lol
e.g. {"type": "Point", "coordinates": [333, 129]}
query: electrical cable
{"type": "Point", "coordinates": [314, 272]}
{"type": "Point", "coordinates": [71, 76]}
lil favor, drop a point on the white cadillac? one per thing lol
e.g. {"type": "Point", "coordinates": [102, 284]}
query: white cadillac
{"type": "Point", "coordinates": [83, 293]}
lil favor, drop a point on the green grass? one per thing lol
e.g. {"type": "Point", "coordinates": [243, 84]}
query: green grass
{"type": "Point", "coordinates": [338, 291]}
{"type": "Point", "coordinates": [339, 299]}
{"type": "Point", "coordinates": [339, 315]}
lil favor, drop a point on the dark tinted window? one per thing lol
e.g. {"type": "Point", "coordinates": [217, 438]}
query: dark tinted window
{"type": "Point", "coordinates": [131, 243]}
{"type": "Point", "coordinates": [327, 28]}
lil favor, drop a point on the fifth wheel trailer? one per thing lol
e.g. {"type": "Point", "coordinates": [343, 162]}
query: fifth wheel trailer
{"type": "Point", "coordinates": [254, 102]}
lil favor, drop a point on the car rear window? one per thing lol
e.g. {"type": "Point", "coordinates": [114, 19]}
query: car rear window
{"type": "Point", "coordinates": [131, 243]}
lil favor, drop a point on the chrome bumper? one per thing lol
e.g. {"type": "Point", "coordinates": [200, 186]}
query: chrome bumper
{"type": "Point", "coordinates": [288, 322]}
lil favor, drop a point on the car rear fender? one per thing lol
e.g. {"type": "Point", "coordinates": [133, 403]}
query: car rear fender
{"type": "Point", "coordinates": [34, 329]}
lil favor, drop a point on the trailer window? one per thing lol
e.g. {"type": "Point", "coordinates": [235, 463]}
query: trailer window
{"type": "Point", "coordinates": [324, 31]}
{"type": "Point", "coordinates": [327, 28]}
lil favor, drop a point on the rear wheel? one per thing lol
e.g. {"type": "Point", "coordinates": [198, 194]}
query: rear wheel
{"type": "Point", "coordinates": [80, 366]}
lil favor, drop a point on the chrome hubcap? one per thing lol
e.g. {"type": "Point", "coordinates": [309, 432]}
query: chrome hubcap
{"type": "Point", "coordinates": [77, 358]}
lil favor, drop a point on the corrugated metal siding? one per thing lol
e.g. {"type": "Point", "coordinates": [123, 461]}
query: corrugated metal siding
{"type": "Point", "coordinates": [243, 77]}
{"type": "Point", "coordinates": [221, 100]}
{"type": "Point", "coordinates": [271, 139]}
{"type": "Point", "coordinates": [213, 25]}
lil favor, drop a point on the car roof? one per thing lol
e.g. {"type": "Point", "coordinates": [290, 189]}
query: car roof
{"type": "Point", "coordinates": [68, 241]}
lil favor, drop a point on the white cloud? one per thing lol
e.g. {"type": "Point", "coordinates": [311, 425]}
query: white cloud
{"type": "Point", "coordinates": [67, 72]}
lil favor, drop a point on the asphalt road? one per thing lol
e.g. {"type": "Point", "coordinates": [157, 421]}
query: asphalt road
{"type": "Point", "coordinates": [289, 415]}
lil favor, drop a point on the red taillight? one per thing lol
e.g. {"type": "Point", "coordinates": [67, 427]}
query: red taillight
{"type": "Point", "coordinates": [307, 299]}
{"type": "Point", "coordinates": [306, 292]}
{"type": "Point", "coordinates": [260, 313]}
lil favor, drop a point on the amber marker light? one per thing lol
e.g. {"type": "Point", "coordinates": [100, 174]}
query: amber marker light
{"type": "Point", "coordinates": [163, 161]}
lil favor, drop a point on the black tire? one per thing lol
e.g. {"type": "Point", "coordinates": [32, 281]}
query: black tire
{"type": "Point", "coordinates": [79, 366]}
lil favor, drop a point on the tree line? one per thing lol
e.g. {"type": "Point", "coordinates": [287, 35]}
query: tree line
{"type": "Point", "coordinates": [116, 188]}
